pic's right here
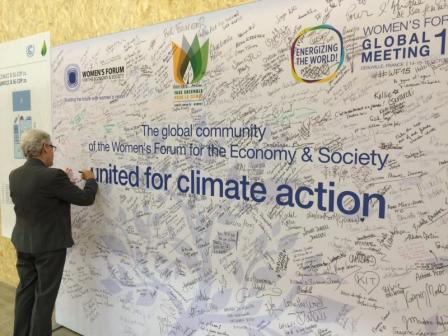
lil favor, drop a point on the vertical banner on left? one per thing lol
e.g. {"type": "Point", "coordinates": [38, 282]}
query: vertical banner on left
{"type": "Point", "coordinates": [25, 102]}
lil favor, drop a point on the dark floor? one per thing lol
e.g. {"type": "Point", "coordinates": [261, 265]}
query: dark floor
{"type": "Point", "coordinates": [7, 314]}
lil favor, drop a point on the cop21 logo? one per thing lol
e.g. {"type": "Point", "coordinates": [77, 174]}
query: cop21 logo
{"type": "Point", "coordinates": [72, 77]}
{"type": "Point", "coordinates": [317, 54]}
{"type": "Point", "coordinates": [185, 55]}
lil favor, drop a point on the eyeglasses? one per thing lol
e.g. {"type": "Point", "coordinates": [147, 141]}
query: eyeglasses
{"type": "Point", "coordinates": [54, 147]}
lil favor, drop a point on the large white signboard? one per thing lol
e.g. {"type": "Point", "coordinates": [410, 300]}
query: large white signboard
{"type": "Point", "coordinates": [25, 98]}
{"type": "Point", "coordinates": [278, 168]}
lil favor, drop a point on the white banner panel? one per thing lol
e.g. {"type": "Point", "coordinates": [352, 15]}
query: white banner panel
{"type": "Point", "coordinates": [273, 169]}
{"type": "Point", "coordinates": [25, 103]}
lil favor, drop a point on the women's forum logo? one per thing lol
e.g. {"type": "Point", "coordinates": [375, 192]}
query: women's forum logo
{"type": "Point", "coordinates": [317, 54]}
{"type": "Point", "coordinates": [72, 77]}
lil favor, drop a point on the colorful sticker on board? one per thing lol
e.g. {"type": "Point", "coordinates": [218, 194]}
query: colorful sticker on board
{"type": "Point", "coordinates": [317, 54]}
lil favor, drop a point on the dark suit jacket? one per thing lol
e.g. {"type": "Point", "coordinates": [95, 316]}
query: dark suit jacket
{"type": "Point", "coordinates": [42, 198]}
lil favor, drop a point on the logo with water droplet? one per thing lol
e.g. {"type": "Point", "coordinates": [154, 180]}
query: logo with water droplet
{"type": "Point", "coordinates": [30, 50]}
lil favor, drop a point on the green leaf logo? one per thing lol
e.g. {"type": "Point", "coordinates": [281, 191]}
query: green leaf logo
{"type": "Point", "coordinates": [44, 49]}
{"type": "Point", "coordinates": [193, 55]}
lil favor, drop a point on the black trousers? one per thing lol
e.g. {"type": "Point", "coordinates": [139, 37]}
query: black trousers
{"type": "Point", "coordinates": [40, 276]}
